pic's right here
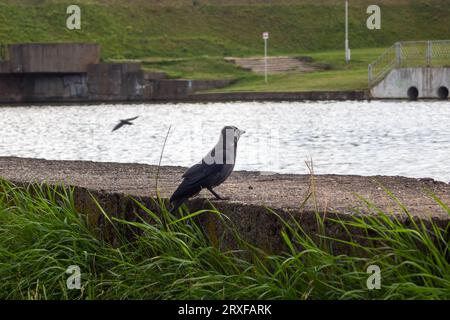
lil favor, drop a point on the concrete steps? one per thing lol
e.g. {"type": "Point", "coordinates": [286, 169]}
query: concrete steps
{"type": "Point", "coordinates": [275, 64]}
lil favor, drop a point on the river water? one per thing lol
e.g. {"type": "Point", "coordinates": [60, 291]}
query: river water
{"type": "Point", "coordinates": [364, 138]}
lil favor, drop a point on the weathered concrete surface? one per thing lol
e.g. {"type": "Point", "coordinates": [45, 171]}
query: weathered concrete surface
{"type": "Point", "coordinates": [182, 89]}
{"type": "Point", "coordinates": [428, 81]}
{"type": "Point", "coordinates": [276, 64]}
{"type": "Point", "coordinates": [250, 192]}
{"type": "Point", "coordinates": [280, 96]}
{"type": "Point", "coordinates": [37, 87]}
{"type": "Point", "coordinates": [115, 81]}
{"type": "Point", "coordinates": [51, 57]}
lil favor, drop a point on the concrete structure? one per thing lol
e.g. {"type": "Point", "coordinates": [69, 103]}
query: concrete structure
{"type": "Point", "coordinates": [302, 64]}
{"type": "Point", "coordinates": [412, 70]}
{"type": "Point", "coordinates": [52, 58]}
{"type": "Point", "coordinates": [251, 193]}
{"type": "Point", "coordinates": [280, 96]}
{"type": "Point", "coordinates": [115, 81]}
{"type": "Point", "coordinates": [68, 72]}
{"type": "Point", "coordinates": [414, 83]}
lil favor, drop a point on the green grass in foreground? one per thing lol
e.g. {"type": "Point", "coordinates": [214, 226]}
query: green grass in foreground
{"type": "Point", "coordinates": [41, 234]}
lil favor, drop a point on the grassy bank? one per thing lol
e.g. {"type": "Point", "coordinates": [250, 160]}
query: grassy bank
{"type": "Point", "coordinates": [190, 38]}
{"type": "Point", "coordinates": [41, 234]}
{"type": "Point", "coordinates": [339, 76]}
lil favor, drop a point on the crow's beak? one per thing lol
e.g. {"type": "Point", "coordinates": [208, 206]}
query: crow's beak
{"type": "Point", "coordinates": [241, 132]}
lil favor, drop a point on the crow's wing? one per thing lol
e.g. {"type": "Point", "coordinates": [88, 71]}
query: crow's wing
{"type": "Point", "coordinates": [195, 178]}
{"type": "Point", "coordinates": [201, 171]}
{"type": "Point", "coordinates": [130, 119]}
{"type": "Point", "coordinates": [118, 126]}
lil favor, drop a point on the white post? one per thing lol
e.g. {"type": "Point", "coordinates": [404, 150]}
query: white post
{"type": "Point", "coordinates": [398, 54]}
{"type": "Point", "coordinates": [429, 53]}
{"type": "Point", "coordinates": [347, 46]}
{"type": "Point", "coordinates": [265, 59]}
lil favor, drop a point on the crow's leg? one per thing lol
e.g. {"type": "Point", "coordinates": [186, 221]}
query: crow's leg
{"type": "Point", "coordinates": [216, 195]}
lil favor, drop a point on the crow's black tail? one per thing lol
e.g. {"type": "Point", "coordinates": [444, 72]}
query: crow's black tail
{"type": "Point", "coordinates": [184, 191]}
{"type": "Point", "coordinates": [176, 203]}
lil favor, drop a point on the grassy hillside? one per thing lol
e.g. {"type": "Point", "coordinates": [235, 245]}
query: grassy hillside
{"type": "Point", "coordinates": [182, 28]}
{"type": "Point", "coordinates": [189, 38]}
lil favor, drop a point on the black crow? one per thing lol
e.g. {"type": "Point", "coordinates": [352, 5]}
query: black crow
{"type": "Point", "coordinates": [124, 122]}
{"type": "Point", "coordinates": [214, 169]}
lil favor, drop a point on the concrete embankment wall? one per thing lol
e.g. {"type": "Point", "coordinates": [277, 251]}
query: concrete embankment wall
{"type": "Point", "coordinates": [103, 82]}
{"type": "Point", "coordinates": [280, 96]}
{"type": "Point", "coordinates": [251, 193]}
{"type": "Point", "coordinates": [402, 83]}
{"type": "Point", "coordinates": [176, 90]}
{"type": "Point", "coordinates": [51, 58]}
{"type": "Point", "coordinates": [71, 72]}
{"type": "Point", "coordinates": [126, 83]}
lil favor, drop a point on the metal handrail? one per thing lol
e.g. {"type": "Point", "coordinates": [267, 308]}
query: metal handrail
{"type": "Point", "coordinates": [385, 67]}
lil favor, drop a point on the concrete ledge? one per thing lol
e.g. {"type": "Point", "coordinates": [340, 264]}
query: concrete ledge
{"type": "Point", "coordinates": [251, 193]}
{"type": "Point", "coordinates": [280, 96]}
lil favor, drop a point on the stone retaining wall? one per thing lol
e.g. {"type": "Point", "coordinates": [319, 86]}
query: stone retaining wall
{"type": "Point", "coordinates": [252, 193]}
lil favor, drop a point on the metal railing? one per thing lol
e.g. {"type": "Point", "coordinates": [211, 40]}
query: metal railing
{"type": "Point", "coordinates": [407, 54]}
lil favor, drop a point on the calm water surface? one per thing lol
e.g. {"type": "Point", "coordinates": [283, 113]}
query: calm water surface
{"type": "Point", "coordinates": [364, 138]}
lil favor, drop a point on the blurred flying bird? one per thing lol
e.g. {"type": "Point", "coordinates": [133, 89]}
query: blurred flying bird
{"type": "Point", "coordinates": [124, 122]}
{"type": "Point", "coordinates": [213, 170]}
